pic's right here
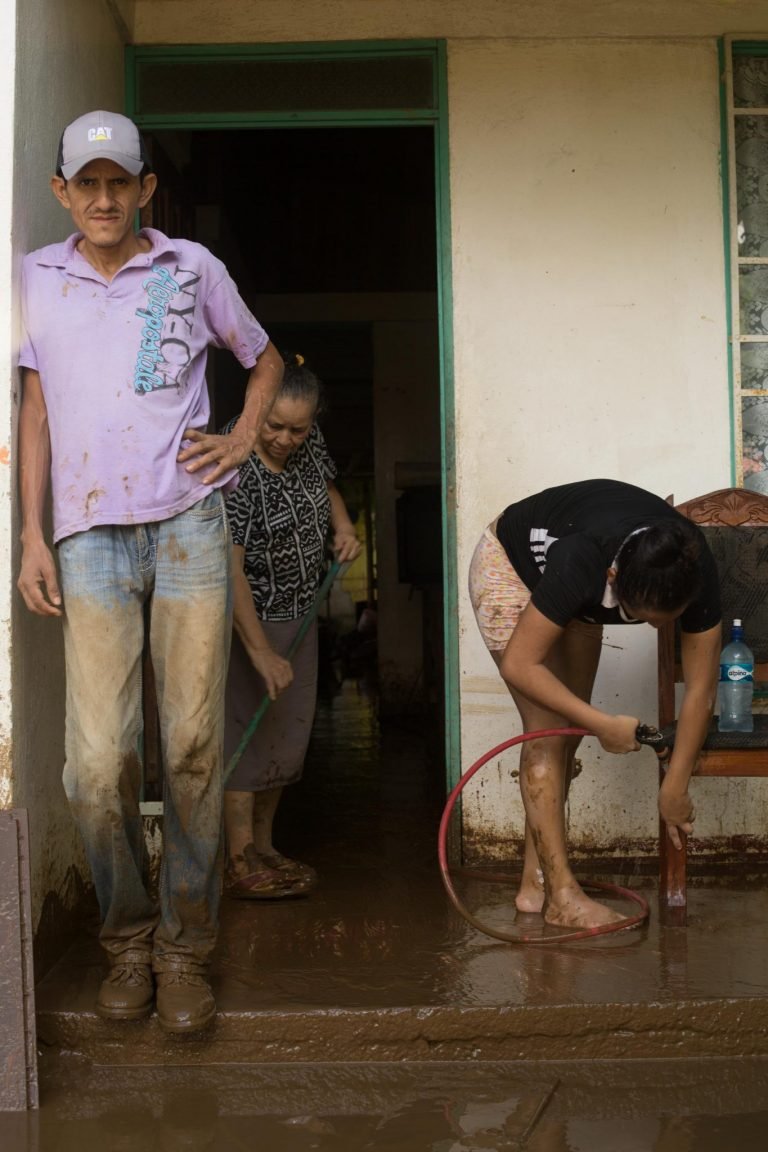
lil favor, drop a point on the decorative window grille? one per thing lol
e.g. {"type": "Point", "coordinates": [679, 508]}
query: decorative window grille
{"type": "Point", "coordinates": [746, 84]}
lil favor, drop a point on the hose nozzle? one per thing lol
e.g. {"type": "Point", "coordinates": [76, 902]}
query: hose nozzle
{"type": "Point", "coordinates": [647, 734]}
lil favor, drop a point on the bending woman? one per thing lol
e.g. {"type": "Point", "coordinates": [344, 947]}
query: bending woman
{"type": "Point", "coordinates": [280, 516]}
{"type": "Point", "coordinates": [547, 574]}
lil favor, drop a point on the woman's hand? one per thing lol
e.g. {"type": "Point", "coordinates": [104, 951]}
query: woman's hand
{"type": "Point", "coordinates": [277, 672]}
{"type": "Point", "coordinates": [676, 809]}
{"type": "Point", "coordinates": [618, 733]}
{"type": "Point", "coordinates": [346, 545]}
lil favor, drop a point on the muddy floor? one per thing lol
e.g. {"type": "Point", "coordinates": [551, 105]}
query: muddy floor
{"type": "Point", "coordinates": [370, 1016]}
{"type": "Point", "coordinates": [685, 1106]}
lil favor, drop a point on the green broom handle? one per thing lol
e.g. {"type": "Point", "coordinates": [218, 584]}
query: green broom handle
{"type": "Point", "coordinates": [296, 643]}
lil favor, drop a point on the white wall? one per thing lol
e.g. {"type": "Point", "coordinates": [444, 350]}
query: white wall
{"type": "Point", "coordinates": [69, 58]}
{"type": "Point", "coordinates": [590, 338]}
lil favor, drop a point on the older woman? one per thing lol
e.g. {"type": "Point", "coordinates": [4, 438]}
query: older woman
{"type": "Point", "coordinates": [281, 516]}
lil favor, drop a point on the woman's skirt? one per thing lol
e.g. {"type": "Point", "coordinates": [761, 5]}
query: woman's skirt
{"type": "Point", "coordinates": [275, 755]}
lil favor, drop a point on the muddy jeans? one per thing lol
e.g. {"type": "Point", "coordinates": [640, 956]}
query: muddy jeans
{"type": "Point", "coordinates": [181, 567]}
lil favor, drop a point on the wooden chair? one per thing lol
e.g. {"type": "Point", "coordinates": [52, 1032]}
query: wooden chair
{"type": "Point", "coordinates": [735, 524]}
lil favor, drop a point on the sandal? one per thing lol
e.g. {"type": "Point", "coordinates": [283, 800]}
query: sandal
{"type": "Point", "coordinates": [263, 884]}
{"type": "Point", "coordinates": [292, 870]}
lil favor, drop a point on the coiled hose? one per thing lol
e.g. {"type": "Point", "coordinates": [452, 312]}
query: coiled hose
{"type": "Point", "coordinates": [645, 735]}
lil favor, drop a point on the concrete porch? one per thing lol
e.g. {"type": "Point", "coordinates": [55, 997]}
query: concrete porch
{"type": "Point", "coordinates": [370, 1017]}
{"type": "Point", "coordinates": [376, 965]}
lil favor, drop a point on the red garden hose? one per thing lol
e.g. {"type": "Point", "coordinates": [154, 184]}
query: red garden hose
{"type": "Point", "coordinates": [520, 938]}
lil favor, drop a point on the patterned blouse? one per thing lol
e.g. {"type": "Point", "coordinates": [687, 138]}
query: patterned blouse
{"type": "Point", "coordinates": [282, 521]}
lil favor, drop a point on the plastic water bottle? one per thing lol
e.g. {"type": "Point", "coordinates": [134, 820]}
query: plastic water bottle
{"type": "Point", "coordinates": [736, 686]}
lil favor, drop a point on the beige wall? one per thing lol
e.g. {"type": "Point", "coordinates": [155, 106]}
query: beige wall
{"type": "Point", "coordinates": [123, 13]}
{"type": "Point", "coordinates": [590, 339]}
{"type": "Point", "coordinates": [69, 59]}
{"type": "Point", "coordinates": [191, 21]}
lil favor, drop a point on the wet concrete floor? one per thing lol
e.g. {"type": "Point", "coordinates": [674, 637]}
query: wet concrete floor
{"type": "Point", "coordinates": [685, 1106]}
{"type": "Point", "coordinates": [371, 1016]}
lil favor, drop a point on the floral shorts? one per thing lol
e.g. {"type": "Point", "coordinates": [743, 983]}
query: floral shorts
{"type": "Point", "coordinates": [497, 593]}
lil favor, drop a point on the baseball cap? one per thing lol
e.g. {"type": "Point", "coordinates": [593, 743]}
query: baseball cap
{"type": "Point", "coordinates": [101, 136]}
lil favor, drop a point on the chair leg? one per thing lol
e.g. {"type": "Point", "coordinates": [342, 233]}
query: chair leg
{"type": "Point", "coordinates": [673, 896]}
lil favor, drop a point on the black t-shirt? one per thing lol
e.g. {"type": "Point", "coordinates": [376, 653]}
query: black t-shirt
{"type": "Point", "coordinates": [562, 541]}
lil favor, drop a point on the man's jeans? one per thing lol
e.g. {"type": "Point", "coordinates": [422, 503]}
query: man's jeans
{"type": "Point", "coordinates": [181, 568]}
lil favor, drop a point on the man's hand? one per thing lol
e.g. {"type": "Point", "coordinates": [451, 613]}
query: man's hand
{"type": "Point", "coordinates": [277, 672]}
{"type": "Point", "coordinates": [676, 809]}
{"type": "Point", "coordinates": [223, 452]}
{"type": "Point", "coordinates": [38, 582]}
{"type": "Point", "coordinates": [617, 733]}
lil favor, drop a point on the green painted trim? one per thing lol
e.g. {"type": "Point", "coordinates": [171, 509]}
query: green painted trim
{"type": "Point", "coordinates": [130, 81]}
{"type": "Point", "coordinates": [437, 116]}
{"type": "Point", "coordinates": [129, 102]}
{"type": "Point", "coordinates": [726, 195]}
{"type": "Point", "coordinates": [447, 427]}
{"type": "Point", "coordinates": [298, 50]}
{"type": "Point", "coordinates": [750, 47]}
{"type": "Point", "coordinates": [295, 119]}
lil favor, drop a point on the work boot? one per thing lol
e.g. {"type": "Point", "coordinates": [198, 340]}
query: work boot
{"type": "Point", "coordinates": [185, 1002]}
{"type": "Point", "coordinates": [126, 993]}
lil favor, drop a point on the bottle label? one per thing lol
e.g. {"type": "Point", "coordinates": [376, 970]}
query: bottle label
{"type": "Point", "coordinates": [736, 673]}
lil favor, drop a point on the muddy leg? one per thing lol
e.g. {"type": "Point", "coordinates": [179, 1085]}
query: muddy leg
{"type": "Point", "coordinates": [530, 894]}
{"type": "Point", "coordinates": [264, 807]}
{"type": "Point", "coordinates": [190, 630]}
{"type": "Point", "coordinates": [546, 767]}
{"type": "Point", "coordinates": [542, 782]}
{"type": "Point", "coordinates": [248, 819]}
{"type": "Point", "coordinates": [238, 829]}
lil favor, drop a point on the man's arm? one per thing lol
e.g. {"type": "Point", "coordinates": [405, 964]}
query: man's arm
{"type": "Point", "coordinates": [37, 581]}
{"type": "Point", "coordinates": [226, 452]}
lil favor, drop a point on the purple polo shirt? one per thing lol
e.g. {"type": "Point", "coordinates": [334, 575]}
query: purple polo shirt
{"type": "Point", "coordinates": [122, 366]}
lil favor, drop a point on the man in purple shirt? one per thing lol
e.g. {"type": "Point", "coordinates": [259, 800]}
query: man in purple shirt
{"type": "Point", "coordinates": [114, 416]}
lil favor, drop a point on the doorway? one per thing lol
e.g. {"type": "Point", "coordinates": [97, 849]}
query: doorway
{"type": "Point", "coordinates": [330, 235]}
{"type": "Point", "coordinates": [340, 115]}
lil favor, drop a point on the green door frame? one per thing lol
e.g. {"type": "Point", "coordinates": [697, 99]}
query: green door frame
{"type": "Point", "coordinates": [436, 116]}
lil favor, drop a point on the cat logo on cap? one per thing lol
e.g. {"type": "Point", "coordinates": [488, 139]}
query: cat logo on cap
{"type": "Point", "coordinates": [99, 133]}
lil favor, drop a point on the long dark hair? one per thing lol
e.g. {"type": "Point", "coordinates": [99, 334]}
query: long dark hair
{"type": "Point", "coordinates": [659, 567]}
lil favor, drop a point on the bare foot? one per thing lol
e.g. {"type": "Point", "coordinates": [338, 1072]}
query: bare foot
{"type": "Point", "coordinates": [572, 908]}
{"type": "Point", "coordinates": [530, 894]}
